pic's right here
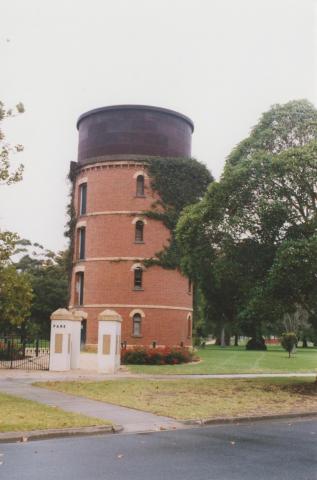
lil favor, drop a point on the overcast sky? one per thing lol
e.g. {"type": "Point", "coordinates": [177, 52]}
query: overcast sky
{"type": "Point", "coordinates": [221, 62]}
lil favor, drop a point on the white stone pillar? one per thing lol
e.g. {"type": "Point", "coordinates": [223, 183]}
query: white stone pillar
{"type": "Point", "coordinates": [61, 340]}
{"type": "Point", "coordinates": [109, 341]}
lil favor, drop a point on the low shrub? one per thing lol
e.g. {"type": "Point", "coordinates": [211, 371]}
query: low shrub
{"type": "Point", "coordinates": [257, 343]}
{"type": "Point", "coordinates": [289, 341]}
{"type": "Point", "coordinates": [157, 356]}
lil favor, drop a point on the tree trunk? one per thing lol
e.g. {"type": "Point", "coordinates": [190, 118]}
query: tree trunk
{"type": "Point", "coordinates": [236, 340]}
{"type": "Point", "coordinates": [223, 337]}
{"type": "Point", "coordinates": [305, 345]}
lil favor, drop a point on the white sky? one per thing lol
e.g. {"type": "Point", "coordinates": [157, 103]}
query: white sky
{"type": "Point", "coordinates": [221, 62]}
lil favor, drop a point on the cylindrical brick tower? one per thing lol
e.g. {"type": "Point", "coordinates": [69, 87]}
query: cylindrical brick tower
{"type": "Point", "coordinates": [113, 236]}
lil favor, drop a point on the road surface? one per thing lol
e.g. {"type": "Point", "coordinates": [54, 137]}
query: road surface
{"type": "Point", "coordinates": [258, 451]}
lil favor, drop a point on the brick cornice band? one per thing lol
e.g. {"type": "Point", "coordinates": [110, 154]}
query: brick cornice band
{"type": "Point", "coordinates": [113, 305]}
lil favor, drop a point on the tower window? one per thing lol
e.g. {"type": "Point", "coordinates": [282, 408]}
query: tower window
{"type": "Point", "coordinates": [138, 278]}
{"type": "Point", "coordinates": [140, 186]}
{"type": "Point", "coordinates": [79, 288]}
{"type": "Point", "coordinates": [83, 199]}
{"type": "Point", "coordinates": [81, 243]}
{"type": "Point", "coordinates": [136, 327]}
{"type": "Point", "coordinates": [139, 226]}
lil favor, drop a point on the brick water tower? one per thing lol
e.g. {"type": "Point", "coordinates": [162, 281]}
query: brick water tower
{"type": "Point", "coordinates": [113, 234]}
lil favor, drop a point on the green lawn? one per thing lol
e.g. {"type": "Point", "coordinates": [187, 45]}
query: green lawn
{"type": "Point", "coordinates": [17, 414]}
{"type": "Point", "coordinates": [196, 398]}
{"type": "Point", "coordinates": [239, 360]}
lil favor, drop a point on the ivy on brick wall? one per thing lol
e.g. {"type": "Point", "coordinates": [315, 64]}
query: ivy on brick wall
{"type": "Point", "coordinates": [178, 182]}
{"type": "Point", "coordinates": [71, 223]}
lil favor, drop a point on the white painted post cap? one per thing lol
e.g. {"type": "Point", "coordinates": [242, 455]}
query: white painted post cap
{"type": "Point", "coordinates": [62, 314]}
{"type": "Point", "coordinates": [79, 314]}
{"type": "Point", "coordinates": [109, 316]}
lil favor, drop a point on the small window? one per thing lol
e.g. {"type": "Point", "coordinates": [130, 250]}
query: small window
{"type": "Point", "coordinates": [136, 328]}
{"type": "Point", "coordinates": [140, 186]}
{"type": "Point", "coordinates": [139, 226]}
{"type": "Point", "coordinates": [79, 288]}
{"type": "Point", "coordinates": [81, 243]}
{"type": "Point", "coordinates": [83, 199]}
{"type": "Point", "coordinates": [189, 286]}
{"type": "Point", "coordinates": [138, 278]}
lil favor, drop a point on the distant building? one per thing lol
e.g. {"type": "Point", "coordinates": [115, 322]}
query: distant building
{"type": "Point", "coordinates": [113, 236]}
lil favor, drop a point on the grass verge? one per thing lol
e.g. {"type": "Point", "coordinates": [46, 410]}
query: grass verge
{"type": "Point", "coordinates": [18, 414]}
{"type": "Point", "coordinates": [238, 360]}
{"type": "Point", "coordinates": [196, 399]}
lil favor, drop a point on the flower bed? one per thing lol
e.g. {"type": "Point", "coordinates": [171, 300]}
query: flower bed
{"type": "Point", "coordinates": [157, 356]}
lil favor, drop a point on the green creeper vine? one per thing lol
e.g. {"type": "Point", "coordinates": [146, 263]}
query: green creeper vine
{"type": "Point", "coordinates": [178, 182]}
{"type": "Point", "coordinates": [71, 222]}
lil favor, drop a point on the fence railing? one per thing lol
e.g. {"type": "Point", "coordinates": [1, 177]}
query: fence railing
{"type": "Point", "coordinates": [24, 353]}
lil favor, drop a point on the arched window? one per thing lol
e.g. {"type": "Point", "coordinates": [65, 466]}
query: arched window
{"type": "Point", "coordinates": [140, 186]}
{"type": "Point", "coordinates": [138, 278]}
{"type": "Point", "coordinates": [81, 243]}
{"type": "Point", "coordinates": [79, 288]}
{"type": "Point", "coordinates": [136, 327]}
{"type": "Point", "coordinates": [139, 226]}
{"type": "Point", "coordinates": [83, 199]}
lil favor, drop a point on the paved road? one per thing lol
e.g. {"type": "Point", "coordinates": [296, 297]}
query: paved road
{"type": "Point", "coordinates": [259, 451]}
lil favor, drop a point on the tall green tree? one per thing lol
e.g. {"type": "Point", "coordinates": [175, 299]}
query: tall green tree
{"type": "Point", "coordinates": [285, 126]}
{"type": "Point", "coordinates": [9, 173]}
{"type": "Point", "coordinates": [47, 273]}
{"type": "Point", "coordinates": [15, 289]}
{"type": "Point", "coordinates": [266, 197]}
{"type": "Point", "coordinates": [15, 299]}
{"type": "Point", "coordinates": [292, 278]}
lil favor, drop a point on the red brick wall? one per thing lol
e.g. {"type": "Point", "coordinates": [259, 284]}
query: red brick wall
{"type": "Point", "coordinates": [114, 236]}
{"type": "Point", "coordinates": [109, 282]}
{"type": "Point", "coordinates": [165, 327]}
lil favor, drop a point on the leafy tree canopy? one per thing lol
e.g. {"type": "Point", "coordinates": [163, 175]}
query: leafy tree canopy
{"type": "Point", "coordinates": [178, 182]}
{"type": "Point", "coordinates": [15, 288]}
{"type": "Point", "coordinates": [293, 124]}
{"type": "Point", "coordinates": [266, 198]}
{"type": "Point", "coordinates": [8, 174]}
{"type": "Point", "coordinates": [15, 298]}
{"type": "Point", "coordinates": [7, 246]}
{"type": "Point", "coordinates": [47, 273]}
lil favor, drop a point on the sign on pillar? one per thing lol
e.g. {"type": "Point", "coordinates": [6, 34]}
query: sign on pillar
{"type": "Point", "coordinates": [109, 341]}
{"type": "Point", "coordinates": [62, 323]}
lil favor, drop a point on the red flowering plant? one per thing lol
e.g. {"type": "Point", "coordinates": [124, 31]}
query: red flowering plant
{"type": "Point", "coordinates": [157, 356]}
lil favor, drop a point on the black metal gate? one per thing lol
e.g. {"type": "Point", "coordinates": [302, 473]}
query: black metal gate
{"type": "Point", "coordinates": [24, 353]}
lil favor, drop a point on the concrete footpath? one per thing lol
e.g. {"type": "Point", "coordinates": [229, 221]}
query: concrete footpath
{"type": "Point", "coordinates": [131, 420]}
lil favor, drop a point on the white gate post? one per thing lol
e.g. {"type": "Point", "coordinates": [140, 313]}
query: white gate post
{"type": "Point", "coordinates": [61, 340]}
{"type": "Point", "coordinates": [109, 341]}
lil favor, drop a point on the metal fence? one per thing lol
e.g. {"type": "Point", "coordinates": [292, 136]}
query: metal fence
{"type": "Point", "coordinates": [24, 353]}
